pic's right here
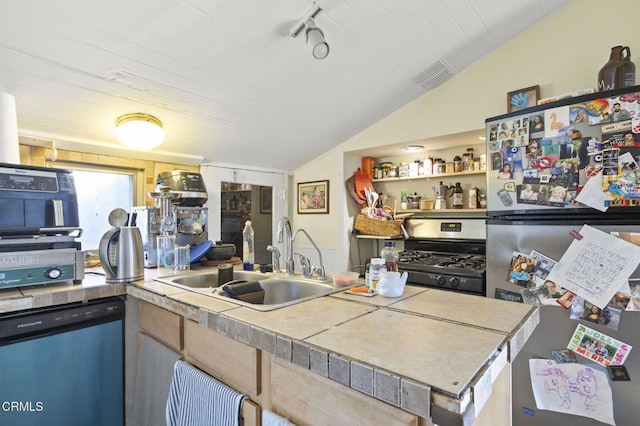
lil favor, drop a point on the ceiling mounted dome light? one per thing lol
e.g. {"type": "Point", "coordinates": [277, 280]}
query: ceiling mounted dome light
{"type": "Point", "coordinates": [412, 148]}
{"type": "Point", "coordinates": [139, 131]}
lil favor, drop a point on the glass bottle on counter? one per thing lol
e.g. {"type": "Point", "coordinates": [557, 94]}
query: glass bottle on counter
{"type": "Point", "coordinates": [458, 193]}
{"type": "Point", "coordinates": [247, 246]}
{"type": "Point", "coordinates": [390, 256]}
{"type": "Point", "coordinates": [377, 266]}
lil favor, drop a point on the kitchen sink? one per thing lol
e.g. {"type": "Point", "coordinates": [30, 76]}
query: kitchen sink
{"type": "Point", "coordinates": [279, 291]}
{"type": "Point", "coordinates": [208, 280]}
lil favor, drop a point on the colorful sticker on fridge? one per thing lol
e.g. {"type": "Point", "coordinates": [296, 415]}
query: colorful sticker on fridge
{"type": "Point", "coordinates": [609, 316]}
{"type": "Point", "coordinates": [634, 303]}
{"type": "Point", "coordinates": [521, 270]}
{"type": "Point", "coordinates": [598, 347]}
{"type": "Point", "coordinates": [535, 296]}
{"type": "Point", "coordinates": [554, 119]}
{"type": "Point", "coordinates": [571, 388]}
{"type": "Point", "coordinates": [564, 355]}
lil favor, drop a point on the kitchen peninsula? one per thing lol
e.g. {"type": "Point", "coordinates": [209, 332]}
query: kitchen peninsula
{"type": "Point", "coordinates": [429, 354]}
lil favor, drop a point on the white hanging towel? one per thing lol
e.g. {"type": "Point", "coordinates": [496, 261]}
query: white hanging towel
{"type": "Point", "coordinates": [269, 418]}
{"type": "Point", "coordinates": [197, 399]}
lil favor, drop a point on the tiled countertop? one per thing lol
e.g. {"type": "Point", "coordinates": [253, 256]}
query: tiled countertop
{"type": "Point", "coordinates": [92, 287]}
{"type": "Point", "coordinates": [427, 347]}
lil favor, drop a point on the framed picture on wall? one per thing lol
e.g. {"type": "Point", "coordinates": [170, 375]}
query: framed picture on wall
{"type": "Point", "coordinates": [313, 197]}
{"type": "Point", "coordinates": [266, 193]}
{"type": "Point", "coordinates": [523, 98]}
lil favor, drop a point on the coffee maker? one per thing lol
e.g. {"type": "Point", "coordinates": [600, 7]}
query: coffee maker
{"type": "Point", "coordinates": [441, 196]}
{"type": "Point", "coordinates": [179, 210]}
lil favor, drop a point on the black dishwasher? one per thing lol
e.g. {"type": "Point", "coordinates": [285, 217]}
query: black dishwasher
{"type": "Point", "coordinates": [63, 365]}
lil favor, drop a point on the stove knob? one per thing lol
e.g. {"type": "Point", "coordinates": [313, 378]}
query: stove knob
{"type": "Point", "coordinates": [440, 280]}
{"type": "Point", "coordinates": [455, 281]}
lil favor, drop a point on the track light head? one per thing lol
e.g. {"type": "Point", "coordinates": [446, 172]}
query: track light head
{"type": "Point", "coordinates": [315, 37]}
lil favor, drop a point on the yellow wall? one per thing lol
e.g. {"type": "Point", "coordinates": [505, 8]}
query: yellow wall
{"type": "Point", "coordinates": [148, 170]}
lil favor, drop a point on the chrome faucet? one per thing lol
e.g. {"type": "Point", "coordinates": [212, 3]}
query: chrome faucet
{"type": "Point", "coordinates": [275, 258]}
{"type": "Point", "coordinates": [319, 270]}
{"type": "Point", "coordinates": [305, 265]}
{"type": "Point", "coordinates": [285, 235]}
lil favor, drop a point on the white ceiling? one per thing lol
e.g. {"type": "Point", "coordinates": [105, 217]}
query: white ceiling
{"type": "Point", "coordinates": [226, 78]}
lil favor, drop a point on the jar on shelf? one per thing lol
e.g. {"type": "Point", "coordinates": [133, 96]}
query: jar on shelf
{"type": "Point", "coordinates": [482, 201]}
{"type": "Point", "coordinates": [414, 168]}
{"type": "Point", "coordinates": [467, 162]}
{"type": "Point", "coordinates": [439, 166]}
{"type": "Point", "coordinates": [377, 171]}
{"type": "Point", "coordinates": [457, 164]}
{"type": "Point", "coordinates": [403, 169]}
{"type": "Point", "coordinates": [428, 166]}
{"type": "Point", "coordinates": [386, 169]}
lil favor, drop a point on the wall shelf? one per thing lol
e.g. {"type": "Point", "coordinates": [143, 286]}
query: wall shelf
{"type": "Point", "coordinates": [438, 176]}
{"type": "Point", "coordinates": [435, 212]}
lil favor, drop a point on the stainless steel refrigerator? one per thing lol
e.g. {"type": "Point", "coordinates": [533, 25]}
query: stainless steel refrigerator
{"type": "Point", "coordinates": [539, 160]}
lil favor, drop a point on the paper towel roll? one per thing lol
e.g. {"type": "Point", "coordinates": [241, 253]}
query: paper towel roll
{"type": "Point", "coordinates": [9, 148]}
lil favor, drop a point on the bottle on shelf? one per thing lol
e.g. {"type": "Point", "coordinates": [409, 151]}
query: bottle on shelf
{"type": "Point", "coordinates": [390, 256]}
{"type": "Point", "coordinates": [403, 199]}
{"type": "Point", "coordinates": [473, 198]}
{"type": "Point", "coordinates": [458, 193]}
{"type": "Point", "coordinates": [247, 247]}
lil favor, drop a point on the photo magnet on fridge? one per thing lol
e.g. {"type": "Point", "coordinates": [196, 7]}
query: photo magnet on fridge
{"type": "Point", "coordinates": [618, 373]}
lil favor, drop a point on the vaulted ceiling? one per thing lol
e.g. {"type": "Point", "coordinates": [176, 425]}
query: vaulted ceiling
{"type": "Point", "coordinates": [227, 79]}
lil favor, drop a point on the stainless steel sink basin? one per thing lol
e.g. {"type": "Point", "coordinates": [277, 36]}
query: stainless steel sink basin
{"type": "Point", "coordinates": [208, 280]}
{"type": "Point", "coordinates": [279, 291]}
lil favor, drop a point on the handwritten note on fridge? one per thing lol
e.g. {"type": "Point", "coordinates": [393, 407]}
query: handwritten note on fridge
{"type": "Point", "coordinates": [595, 265]}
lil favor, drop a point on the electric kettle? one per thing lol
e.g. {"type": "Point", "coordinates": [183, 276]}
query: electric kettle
{"type": "Point", "coordinates": [120, 250]}
{"type": "Point", "coordinates": [121, 254]}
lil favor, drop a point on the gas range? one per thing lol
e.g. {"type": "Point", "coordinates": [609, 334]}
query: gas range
{"type": "Point", "coordinates": [448, 254]}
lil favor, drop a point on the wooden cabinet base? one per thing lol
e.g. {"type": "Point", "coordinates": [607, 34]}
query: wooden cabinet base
{"type": "Point", "coordinates": [306, 398]}
{"type": "Point", "coordinates": [226, 359]}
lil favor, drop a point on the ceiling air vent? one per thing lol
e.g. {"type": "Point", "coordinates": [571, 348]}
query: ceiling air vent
{"type": "Point", "coordinates": [434, 75]}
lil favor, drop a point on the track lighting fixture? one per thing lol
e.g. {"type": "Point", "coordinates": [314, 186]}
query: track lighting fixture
{"type": "Point", "coordinates": [314, 36]}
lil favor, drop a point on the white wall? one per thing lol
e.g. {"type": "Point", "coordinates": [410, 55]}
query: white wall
{"type": "Point", "coordinates": [561, 54]}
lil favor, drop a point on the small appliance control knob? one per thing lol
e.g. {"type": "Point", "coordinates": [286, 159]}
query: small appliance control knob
{"type": "Point", "coordinates": [455, 281]}
{"type": "Point", "coordinates": [440, 280]}
{"type": "Point", "coordinates": [54, 273]}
